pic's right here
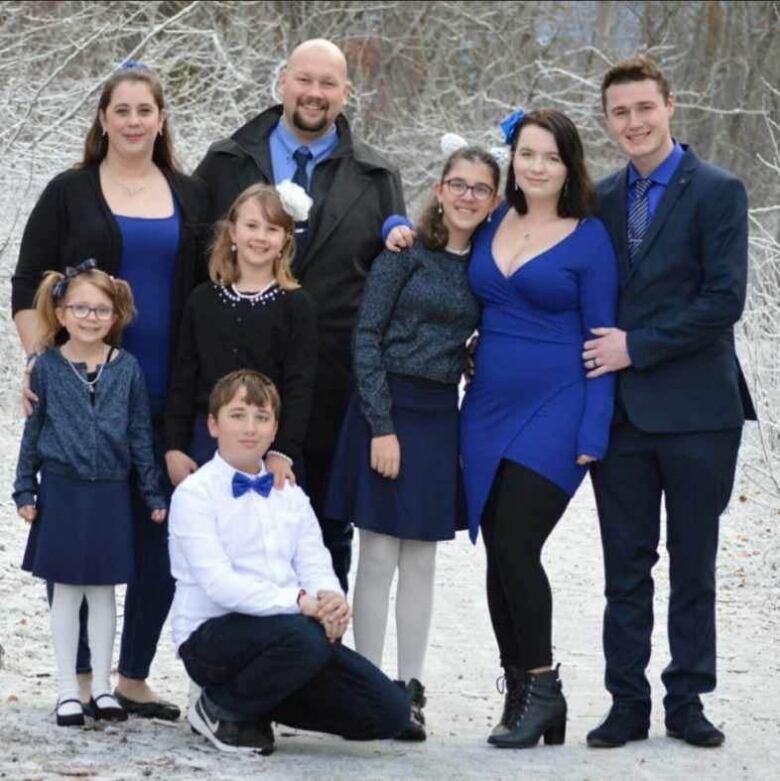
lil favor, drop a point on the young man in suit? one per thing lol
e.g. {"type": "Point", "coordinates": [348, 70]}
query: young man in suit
{"type": "Point", "coordinates": [307, 139]}
{"type": "Point", "coordinates": [679, 226]}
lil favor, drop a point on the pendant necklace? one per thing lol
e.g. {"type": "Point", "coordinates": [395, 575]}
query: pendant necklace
{"type": "Point", "coordinates": [130, 190]}
{"type": "Point", "coordinates": [91, 384]}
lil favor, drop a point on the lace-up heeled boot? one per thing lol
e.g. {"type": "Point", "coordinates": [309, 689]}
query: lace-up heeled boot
{"type": "Point", "coordinates": [542, 713]}
{"type": "Point", "coordinates": [511, 685]}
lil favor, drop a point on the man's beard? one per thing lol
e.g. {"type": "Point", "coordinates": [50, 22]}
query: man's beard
{"type": "Point", "coordinates": [310, 127]}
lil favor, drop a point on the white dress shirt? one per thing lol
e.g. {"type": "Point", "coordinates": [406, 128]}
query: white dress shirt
{"type": "Point", "coordinates": [250, 554]}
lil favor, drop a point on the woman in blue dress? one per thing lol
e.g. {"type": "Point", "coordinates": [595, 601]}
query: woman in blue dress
{"type": "Point", "coordinates": [544, 271]}
{"type": "Point", "coordinates": [128, 206]}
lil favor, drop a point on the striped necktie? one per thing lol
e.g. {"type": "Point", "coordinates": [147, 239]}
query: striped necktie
{"type": "Point", "coordinates": [638, 217]}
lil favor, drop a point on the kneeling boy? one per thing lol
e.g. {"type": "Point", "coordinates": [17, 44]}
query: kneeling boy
{"type": "Point", "coordinates": [258, 609]}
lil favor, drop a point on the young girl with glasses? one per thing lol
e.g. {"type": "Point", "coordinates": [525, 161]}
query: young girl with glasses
{"type": "Point", "coordinates": [88, 429]}
{"type": "Point", "coordinates": [395, 472]}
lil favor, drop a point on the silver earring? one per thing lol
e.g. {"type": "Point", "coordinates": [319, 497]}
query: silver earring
{"type": "Point", "coordinates": [490, 217]}
{"type": "Point", "coordinates": [441, 209]}
{"type": "Point", "coordinates": [517, 186]}
{"type": "Point", "coordinates": [232, 247]}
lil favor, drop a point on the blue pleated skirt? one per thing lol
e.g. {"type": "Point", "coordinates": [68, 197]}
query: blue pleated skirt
{"type": "Point", "coordinates": [83, 533]}
{"type": "Point", "coordinates": [425, 501]}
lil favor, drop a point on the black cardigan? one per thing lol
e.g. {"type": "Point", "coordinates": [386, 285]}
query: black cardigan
{"type": "Point", "coordinates": [277, 336]}
{"type": "Point", "coordinates": [72, 221]}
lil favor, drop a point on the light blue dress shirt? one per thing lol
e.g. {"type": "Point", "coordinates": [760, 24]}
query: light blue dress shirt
{"type": "Point", "coordinates": [283, 143]}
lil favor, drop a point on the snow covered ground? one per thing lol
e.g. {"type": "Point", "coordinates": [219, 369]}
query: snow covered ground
{"type": "Point", "coordinates": [462, 668]}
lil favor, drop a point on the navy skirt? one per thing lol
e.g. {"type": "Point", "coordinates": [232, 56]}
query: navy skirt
{"type": "Point", "coordinates": [425, 501]}
{"type": "Point", "coordinates": [83, 533]}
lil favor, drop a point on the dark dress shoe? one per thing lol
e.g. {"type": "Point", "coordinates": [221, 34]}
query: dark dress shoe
{"type": "Point", "coordinates": [623, 723]}
{"type": "Point", "coordinates": [161, 709]}
{"type": "Point", "coordinates": [691, 725]}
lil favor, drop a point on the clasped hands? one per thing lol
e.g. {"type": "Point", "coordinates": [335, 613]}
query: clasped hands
{"type": "Point", "coordinates": [330, 609]}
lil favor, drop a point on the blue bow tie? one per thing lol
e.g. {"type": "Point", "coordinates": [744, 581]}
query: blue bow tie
{"type": "Point", "coordinates": [262, 484]}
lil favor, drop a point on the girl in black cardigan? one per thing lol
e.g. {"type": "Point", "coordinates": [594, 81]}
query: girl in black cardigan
{"type": "Point", "coordinates": [252, 315]}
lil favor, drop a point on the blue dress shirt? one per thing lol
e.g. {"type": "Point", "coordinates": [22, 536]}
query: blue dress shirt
{"type": "Point", "coordinates": [660, 179]}
{"type": "Point", "coordinates": [283, 143]}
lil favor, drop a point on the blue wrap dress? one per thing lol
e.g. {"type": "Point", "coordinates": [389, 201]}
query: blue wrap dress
{"type": "Point", "coordinates": [530, 401]}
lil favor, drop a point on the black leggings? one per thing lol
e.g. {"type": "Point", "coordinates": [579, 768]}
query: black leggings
{"type": "Point", "coordinates": [521, 511]}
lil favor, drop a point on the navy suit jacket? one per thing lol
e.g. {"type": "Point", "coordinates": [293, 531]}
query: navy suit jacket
{"type": "Point", "coordinates": [679, 301]}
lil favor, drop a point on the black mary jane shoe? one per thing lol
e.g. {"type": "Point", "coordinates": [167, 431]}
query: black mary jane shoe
{"type": "Point", "coordinates": [161, 709]}
{"type": "Point", "coordinates": [105, 708]}
{"type": "Point", "coordinates": [70, 719]}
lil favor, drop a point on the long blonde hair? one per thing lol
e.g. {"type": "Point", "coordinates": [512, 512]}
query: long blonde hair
{"type": "Point", "coordinates": [48, 301]}
{"type": "Point", "coordinates": [223, 266]}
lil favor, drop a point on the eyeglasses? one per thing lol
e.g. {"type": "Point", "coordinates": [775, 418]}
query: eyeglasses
{"type": "Point", "coordinates": [458, 187]}
{"type": "Point", "coordinates": [82, 311]}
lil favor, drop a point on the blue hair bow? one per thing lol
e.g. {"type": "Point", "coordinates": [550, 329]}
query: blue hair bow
{"type": "Point", "coordinates": [509, 125]}
{"type": "Point", "coordinates": [133, 65]}
{"type": "Point", "coordinates": [59, 290]}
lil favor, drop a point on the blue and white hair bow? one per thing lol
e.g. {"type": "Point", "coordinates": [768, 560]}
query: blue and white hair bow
{"type": "Point", "coordinates": [59, 290]}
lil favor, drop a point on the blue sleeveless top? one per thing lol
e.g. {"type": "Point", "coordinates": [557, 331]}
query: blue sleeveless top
{"type": "Point", "coordinates": [148, 263]}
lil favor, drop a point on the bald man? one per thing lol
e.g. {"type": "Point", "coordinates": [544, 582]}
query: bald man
{"type": "Point", "coordinates": [307, 139]}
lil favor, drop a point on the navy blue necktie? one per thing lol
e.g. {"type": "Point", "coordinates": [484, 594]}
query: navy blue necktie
{"type": "Point", "coordinates": [262, 484]}
{"type": "Point", "coordinates": [302, 155]}
{"type": "Point", "coordinates": [638, 217]}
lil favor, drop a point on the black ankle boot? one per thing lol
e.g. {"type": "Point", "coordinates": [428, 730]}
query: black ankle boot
{"type": "Point", "coordinates": [511, 685]}
{"type": "Point", "coordinates": [542, 712]}
{"type": "Point", "coordinates": [415, 729]}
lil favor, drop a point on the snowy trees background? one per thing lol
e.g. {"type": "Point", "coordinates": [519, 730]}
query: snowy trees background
{"type": "Point", "coordinates": [419, 69]}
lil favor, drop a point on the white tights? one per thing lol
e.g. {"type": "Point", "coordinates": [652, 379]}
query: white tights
{"type": "Point", "coordinates": [101, 626]}
{"type": "Point", "coordinates": [415, 560]}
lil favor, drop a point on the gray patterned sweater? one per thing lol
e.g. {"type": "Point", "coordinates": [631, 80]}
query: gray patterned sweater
{"type": "Point", "coordinates": [72, 436]}
{"type": "Point", "coordinates": [415, 318]}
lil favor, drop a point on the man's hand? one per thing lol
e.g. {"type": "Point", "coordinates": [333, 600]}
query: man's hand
{"type": "Point", "coordinates": [281, 469]}
{"type": "Point", "coordinates": [386, 455]}
{"type": "Point", "coordinates": [607, 353]}
{"type": "Point", "coordinates": [584, 459]}
{"type": "Point", "coordinates": [179, 466]}
{"type": "Point", "coordinates": [158, 516]}
{"type": "Point", "coordinates": [28, 512]}
{"type": "Point", "coordinates": [401, 237]}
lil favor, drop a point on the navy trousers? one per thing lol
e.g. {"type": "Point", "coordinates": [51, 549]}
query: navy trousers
{"type": "Point", "coordinates": [693, 473]}
{"type": "Point", "coordinates": [148, 598]}
{"type": "Point", "coordinates": [283, 668]}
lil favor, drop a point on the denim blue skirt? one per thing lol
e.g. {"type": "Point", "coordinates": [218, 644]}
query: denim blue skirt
{"type": "Point", "coordinates": [425, 501]}
{"type": "Point", "coordinates": [83, 532]}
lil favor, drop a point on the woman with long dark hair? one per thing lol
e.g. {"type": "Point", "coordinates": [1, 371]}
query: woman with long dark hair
{"type": "Point", "coordinates": [128, 206]}
{"type": "Point", "coordinates": [545, 273]}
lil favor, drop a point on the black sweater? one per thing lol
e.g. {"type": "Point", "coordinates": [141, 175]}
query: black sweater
{"type": "Point", "coordinates": [275, 335]}
{"type": "Point", "coordinates": [72, 221]}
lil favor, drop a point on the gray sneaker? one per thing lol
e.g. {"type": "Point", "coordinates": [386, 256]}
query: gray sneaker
{"type": "Point", "coordinates": [230, 736]}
